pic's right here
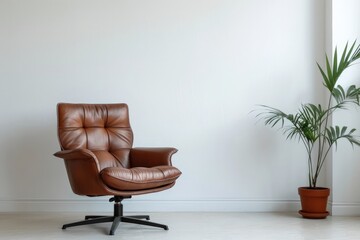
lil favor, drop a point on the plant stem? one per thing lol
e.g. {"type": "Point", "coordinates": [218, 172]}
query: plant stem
{"type": "Point", "coordinates": [322, 139]}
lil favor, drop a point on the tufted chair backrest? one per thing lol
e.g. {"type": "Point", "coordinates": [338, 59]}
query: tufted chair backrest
{"type": "Point", "coordinates": [102, 128]}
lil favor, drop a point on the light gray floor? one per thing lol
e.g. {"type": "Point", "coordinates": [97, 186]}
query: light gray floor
{"type": "Point", "coordinates": [184, 226]}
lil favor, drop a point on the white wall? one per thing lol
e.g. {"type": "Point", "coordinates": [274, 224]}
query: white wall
{"type": "Point", "coordinates": [346, 162]}
{"type": "Point", "coordinates": [191, 71]}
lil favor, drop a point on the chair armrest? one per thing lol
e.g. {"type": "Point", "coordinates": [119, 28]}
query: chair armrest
{"type": "Point", "coordinates": [78, 154]}
{"type": "Point", "coordinates": [83, 169]}
{"type": "Point", "coordinates": [75, 154]}
{"type": "Point", "coordinates": [151, 157]}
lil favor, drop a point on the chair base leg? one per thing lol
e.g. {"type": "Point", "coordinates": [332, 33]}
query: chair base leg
{"type": "Point", "coordinates": [147, 217]}
{"type": "Point", "coordinates": [90, 221]}
{"type": "Point", "coordinates": [116, 218]}
{"type": "Point", "coordinates": [142, 222]}
{"type": "Point", "coordinates": [114, 225]}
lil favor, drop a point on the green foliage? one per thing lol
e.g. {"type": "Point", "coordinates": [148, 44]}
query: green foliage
{"type": "Point", "coordinates": [310, 124]}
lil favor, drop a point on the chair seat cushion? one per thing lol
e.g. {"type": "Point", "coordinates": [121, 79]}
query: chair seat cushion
{"type": "Point", "coordinates": [139, 178]}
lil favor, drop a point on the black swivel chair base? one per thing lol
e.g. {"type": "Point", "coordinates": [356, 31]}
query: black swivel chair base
{"type": "Point", "coordinates": [117, 218]}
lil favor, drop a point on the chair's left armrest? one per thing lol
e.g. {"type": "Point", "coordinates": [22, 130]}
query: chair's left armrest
{"type": "Point", "coordinates": [151, 157]}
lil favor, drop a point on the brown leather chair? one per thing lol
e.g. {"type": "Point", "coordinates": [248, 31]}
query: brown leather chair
{"type": "Point", "coordinates": [96, 145]}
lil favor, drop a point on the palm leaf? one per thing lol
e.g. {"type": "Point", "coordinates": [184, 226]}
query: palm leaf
{"type": "Point", "coordinates": [333, 134]}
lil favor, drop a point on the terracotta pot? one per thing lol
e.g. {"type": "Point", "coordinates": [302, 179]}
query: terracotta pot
{"type": "Point", "coordinates": [314, 202]}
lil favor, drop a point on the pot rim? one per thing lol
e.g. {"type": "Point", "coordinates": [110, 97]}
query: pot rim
{"type": "Point", "coordinates": [317, 188]}
{"type": "Point", "coordinates": [313, 192]}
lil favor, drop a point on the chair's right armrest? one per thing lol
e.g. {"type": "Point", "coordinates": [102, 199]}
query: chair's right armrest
{"type": "Point", "coordinates": [74, 154]}
{"type": "Point", "coordinates": [83, 171]}
{"type": "Point", "coordinates": [78, 154]}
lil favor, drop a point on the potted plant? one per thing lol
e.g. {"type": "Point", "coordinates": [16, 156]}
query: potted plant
{"type": "Point", "coordinates": [311, 125]}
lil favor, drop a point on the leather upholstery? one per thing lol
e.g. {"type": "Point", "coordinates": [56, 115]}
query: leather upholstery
{"type": "Point", "coordinates": [96, 145]}
{"type": "Point", "coordinates": [139, 178]}
{"type": "Point", "coordinates": [94, 126]}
